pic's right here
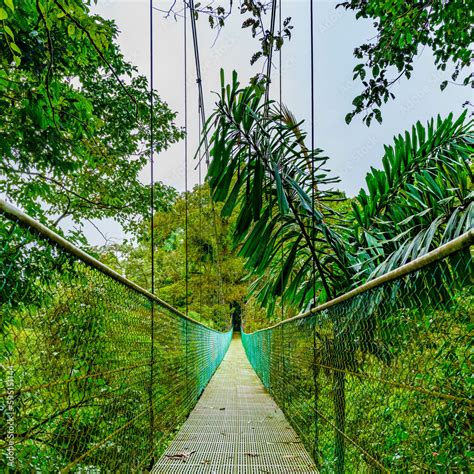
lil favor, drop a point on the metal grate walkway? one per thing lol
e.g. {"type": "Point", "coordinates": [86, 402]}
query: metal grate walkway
{"type": "Point", "coordinates": [236, 427]}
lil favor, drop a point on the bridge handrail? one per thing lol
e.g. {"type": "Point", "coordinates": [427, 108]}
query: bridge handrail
{"type": "Point", "coordinates": [461, 242]}
{"type": "Point", "coordinates": [16, 214]}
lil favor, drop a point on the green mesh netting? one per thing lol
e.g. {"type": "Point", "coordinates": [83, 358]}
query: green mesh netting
{"type": "Point", "coordinates": [380, 382]}
{"type": "Point", "coordinates": [82, 388]}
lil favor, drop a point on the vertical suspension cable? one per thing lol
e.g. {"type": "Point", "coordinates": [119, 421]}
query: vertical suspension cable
{"type": "Point", "coordinates": [200, 208]}
{"type": "Point", "coordinates": [186, 198]}
{"type": "Point", "coordinates": [313, 190]}
{"type": "Point", "coordinates": [313, 184]}
{"type": "Point", "coordinates": [270, 53]}
{"type": "Point", "coordinates": [152, 144]}
{"type": "Point", "coordinates": [280, 56]}
{"type": "Point", "coordinates": [152, 241]}
{"type": "Point", "coordinates": [280, 98]}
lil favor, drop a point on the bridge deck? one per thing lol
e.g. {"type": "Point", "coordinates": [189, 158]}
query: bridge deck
{"type": "Point", "coordinates": [236, 427]}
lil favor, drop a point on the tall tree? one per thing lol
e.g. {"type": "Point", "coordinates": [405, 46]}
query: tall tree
{"type": "Point", "coordinates": [282, 195]}
{"type": "Point", "coordinates": [75, 129]}
{"type": "Point", "coordinates": [288, 223]}
{"type": "Point", "coordinates": [420, 200]}
{"type": "Point", "coordinates": [202, 252]}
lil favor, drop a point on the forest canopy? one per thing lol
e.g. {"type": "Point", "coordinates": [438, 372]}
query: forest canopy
{"type": "Point", "coordinates": [75, 129]}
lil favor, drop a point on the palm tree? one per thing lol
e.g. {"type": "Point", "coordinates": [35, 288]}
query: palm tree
{"type": "Point", "coordinates": [298, 246]}
{"type": "Point", "coordinates": [261, 169]}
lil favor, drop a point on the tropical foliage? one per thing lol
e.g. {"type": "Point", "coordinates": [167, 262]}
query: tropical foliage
{"type": "Point", "coordinates": [95, 360]}
{"type": "Point", "coordinates": [421, 199]}
{"type": "Point", "coordinates": [288, 228]}
{"type": "Point", "coordinates": [379, 382]}
{"type": "Point", "coordinates": [262, 169]}
{"type": "Point", "coordinates": [196, 269]}
{"type": "Point", "coordinates": [404, 29]}
{"type": "Point", "coordinates": [91, 384]}
{"type": "Point", "coordinates": [75, 130]}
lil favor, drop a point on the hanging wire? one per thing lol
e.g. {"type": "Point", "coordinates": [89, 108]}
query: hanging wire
{"type": "Point", "coordinates": [280, 56]}
{"type": "Point", "coordinates": [313, 183]}
{"type": "Point", "coordinates": [152, 241]}
{"type": "Point", "coordinates": [186, 197]}
{"type": "Point", "coordinates": [315, 367]}
{"type": "Point", "coordinates": [152, 179]}
{"type": "Point", "coordinates": [200, 210]}
{"type": "Point", "coordinates": [280, 89]}
{"type": "Point", "coordinates": [270, 53]}
{"type": "Point", "coordinates": [202, 118]}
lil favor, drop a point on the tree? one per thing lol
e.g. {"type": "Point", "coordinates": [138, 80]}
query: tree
{"type": "Point", "coordinates": [297, 245]}
{"type": "Point", "coordinates": [404, 29]}
{"type": "Point", "coordinates": [254, 12]}
{"type": "Point", "coordinates": [75, 129]}
{"type": "Point", "coordinates": [215, 286]}
{"type": "Point", "coordinates": [289, 224]}
{"type": "Point", "coordinates": [420, 200]}
{"type": "Point", "coordinates": [282, 196]}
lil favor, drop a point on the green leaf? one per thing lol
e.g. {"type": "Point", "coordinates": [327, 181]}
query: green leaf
{"type": "Point", "coordinates": [15, 48]}
{"type": "Point", "coordinates": [3, 14]}
{"type": "Point", "coordinates": [71, 29]}
{"type": "Point", "coordinates": [9, 4]}
{"type": "Point", "coordinates": [9, 32]}
{"type": "Point", "coordinates": [257, 189]}
{"type": "Point", "coordinates": [282, 200]}
{"type": "Point", "coordinates": [378, 115]}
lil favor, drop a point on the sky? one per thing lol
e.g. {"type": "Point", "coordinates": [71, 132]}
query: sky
{"type": "Point", "coordinates": [352, 149]}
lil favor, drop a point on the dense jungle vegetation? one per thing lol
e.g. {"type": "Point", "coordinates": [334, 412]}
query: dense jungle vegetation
{"type": "Point", "coordinates": [64, 82]}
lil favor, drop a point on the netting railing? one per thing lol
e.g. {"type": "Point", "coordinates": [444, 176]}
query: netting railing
{"type": "Point", "coordinates": [96, 372]}
{"type": "Point", "coordinates": [381, 378]}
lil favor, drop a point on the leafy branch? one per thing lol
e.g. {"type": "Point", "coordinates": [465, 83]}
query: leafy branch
{"type": "Point", "coordinates": [260, 170]}
{"type": "Point", "coordinates": [403, 28]}
{"type": "Point", "coordinates": [255, 11]}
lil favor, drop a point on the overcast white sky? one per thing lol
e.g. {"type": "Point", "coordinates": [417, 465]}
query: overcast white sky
{"type": "Point", "coordinates": [352, 149]}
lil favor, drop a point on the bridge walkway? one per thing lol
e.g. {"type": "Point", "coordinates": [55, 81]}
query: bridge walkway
{"type": "Point", "coordinates": [235, 428]}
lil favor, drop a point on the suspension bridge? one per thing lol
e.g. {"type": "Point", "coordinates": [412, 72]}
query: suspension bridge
{"type": "Point", "coordinates": [102, 376]}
